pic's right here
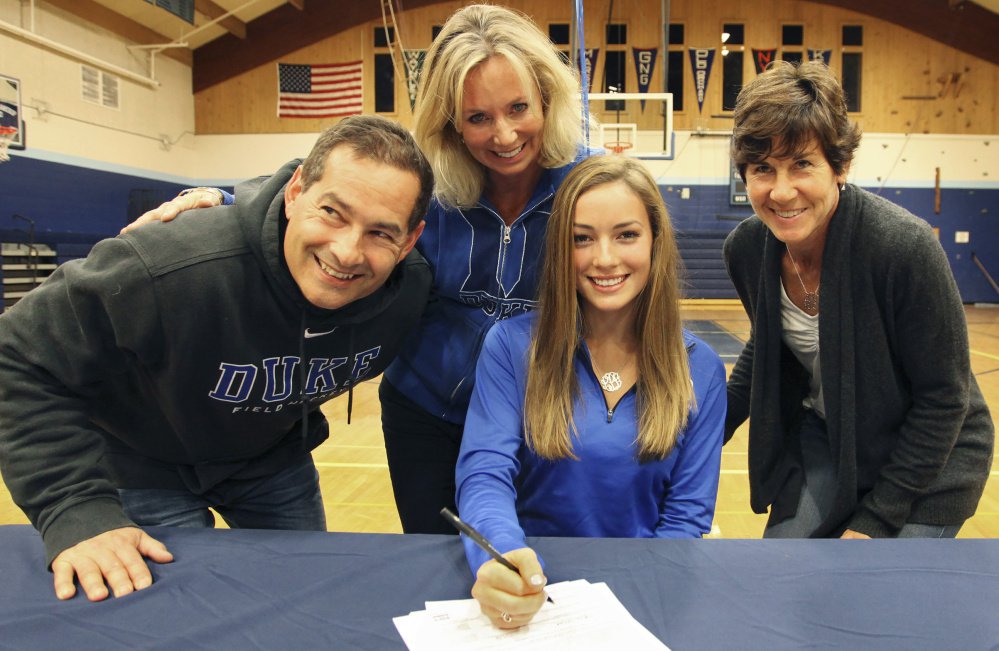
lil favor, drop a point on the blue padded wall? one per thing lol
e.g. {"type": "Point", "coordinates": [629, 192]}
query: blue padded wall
{"type": "Point", "coordinates": [75, 206]}
{"type": "Point", "coordinates": [707, 216]}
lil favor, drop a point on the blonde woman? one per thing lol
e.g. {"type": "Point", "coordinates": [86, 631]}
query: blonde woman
{"type": "Point", "coordinates": [498, 116]}
{"type": "Point", "coordinates": [598, 415]}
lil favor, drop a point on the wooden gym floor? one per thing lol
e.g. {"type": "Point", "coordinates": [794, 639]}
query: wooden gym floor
{"type": "Point", "coordinates": [358, 495]}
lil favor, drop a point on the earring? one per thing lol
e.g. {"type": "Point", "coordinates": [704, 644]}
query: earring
{"type": "Point", "coordinates": [842, 187]}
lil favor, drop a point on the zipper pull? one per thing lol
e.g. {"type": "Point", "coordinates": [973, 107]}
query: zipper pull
{"type": "Point", "coordinates": [610, 415]}
{"type": "Point", "coordinates": [506, 235]}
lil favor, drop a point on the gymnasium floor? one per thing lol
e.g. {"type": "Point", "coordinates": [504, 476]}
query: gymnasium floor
{"type": "Point", "coordinates": [358, 494]}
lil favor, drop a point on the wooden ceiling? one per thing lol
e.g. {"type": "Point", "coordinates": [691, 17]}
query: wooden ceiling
{"type": "Point", "coordinates": [230, 37]}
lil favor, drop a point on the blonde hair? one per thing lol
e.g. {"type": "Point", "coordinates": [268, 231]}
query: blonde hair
{"type": "Point", "coordinates": [470, 36]}
{"type": "Point", "coordinates": [665, 391]}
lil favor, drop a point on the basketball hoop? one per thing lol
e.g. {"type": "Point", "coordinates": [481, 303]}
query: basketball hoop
{"type": "Point", "coordinates": [6, 137]}
{"type": "Point", "coordinates": [618, 147]}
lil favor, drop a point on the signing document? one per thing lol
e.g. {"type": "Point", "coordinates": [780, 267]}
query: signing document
{"type": "Point", "coordinates": [583, 616]}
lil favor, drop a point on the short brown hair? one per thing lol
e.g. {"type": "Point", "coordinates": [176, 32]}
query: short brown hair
{"type": "Point", "coordinates": [782, 110]}
{"type": "Point", "coordinates": [378, 139]}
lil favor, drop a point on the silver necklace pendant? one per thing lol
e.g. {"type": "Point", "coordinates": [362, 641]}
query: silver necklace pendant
{"type": "Point", "coordinates": [610, 381]}
{"type": "Point", "coordinates": [811, 301]}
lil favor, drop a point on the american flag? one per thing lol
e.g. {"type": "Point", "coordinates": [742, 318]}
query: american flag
{"type": "Point", "coordinates": [319, 91]}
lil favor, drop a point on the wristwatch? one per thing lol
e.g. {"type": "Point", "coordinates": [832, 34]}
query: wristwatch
{"type": "Point", "coordinates": [218, 193]}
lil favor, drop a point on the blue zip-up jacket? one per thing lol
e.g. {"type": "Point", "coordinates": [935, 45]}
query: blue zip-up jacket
{"type": "Point", "coordinates": [484, 271]}
{"type": "Point", "coordinates": [507, 492]}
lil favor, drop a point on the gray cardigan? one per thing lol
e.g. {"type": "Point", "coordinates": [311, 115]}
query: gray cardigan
{"type": "Point", "coordinates": [908, 427]}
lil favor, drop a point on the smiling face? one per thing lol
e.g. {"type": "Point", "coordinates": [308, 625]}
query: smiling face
{"type": "Point", "coordinates": [348, 230]}
{"type": "Point", "coordinates": [501, 119]}
{"type": "Point", "coordinates": [613, 250]}
{"type": "Point", "coordinates": [795, 196]}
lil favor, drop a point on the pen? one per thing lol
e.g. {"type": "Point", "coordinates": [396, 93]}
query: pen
{"type": "Point", "coordinates": [479, 540]}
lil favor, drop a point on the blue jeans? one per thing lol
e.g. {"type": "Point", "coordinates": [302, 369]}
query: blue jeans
{"type": "Point", "coordinates": [819, 491]}
{"type": "Point", "coordinates": [289, 499]}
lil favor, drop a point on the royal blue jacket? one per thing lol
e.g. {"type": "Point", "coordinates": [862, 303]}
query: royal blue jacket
{"type": "Point", "coordinates": [507, 492]}
{"type": "Point", "coordinates": [484, 271]}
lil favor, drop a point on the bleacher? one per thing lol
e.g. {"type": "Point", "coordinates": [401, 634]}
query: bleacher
{"type": "Point", "coordinates": [704, 269]}
{"type": "Point", "coordinates": [27, 258]}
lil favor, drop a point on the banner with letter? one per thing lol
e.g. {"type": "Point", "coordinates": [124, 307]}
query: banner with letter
{"type": "Point", "coordinates": [820, 55]}
{"type": "Point", "coordinates": [591, 64]}
{"type": "Point", "coordinates": [763, 57]}
{"type": "Point", "coordinates": [700, 63]}
{"type": "Point", "coordinates": [645, 63]}
{"type": "Point", "coordinates": [414, 66]}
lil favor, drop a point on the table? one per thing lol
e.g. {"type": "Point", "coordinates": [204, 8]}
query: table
{"type": "Point", "coordinates": [242, 589]}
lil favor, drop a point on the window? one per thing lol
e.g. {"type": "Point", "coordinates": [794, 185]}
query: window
{"type": "Point", "coordinates": [733, 37]}
{"type": "Point", "coordinates": [617, 34]}
{"type": "Point", "coordinates": [382, 39]}
{"type": "Point", "coordinates": [852, 76]}
{"type": "Point", "coordinates": [614, 70]}
{"type": "Point", "coordinates": [853, 60]}
{"type": "Point", "coordinates": [736, 34]}
{"type": "Point", "coordinates": [676, 34]}
{"type": "Point", "coordinates": [675, 63]}
{"type": "Point", "coordinates": [559, 34]}
{"type": "Point", "coordinates": [853, 35]}
{"type": "Point", "coordinates": [384, 84]}
{"type": "Point", "coordinates": [792, 35]}
{"type": "Point", "coordinates": [792, 38]}
{"type": "Point", "coordinates": [731, 78]}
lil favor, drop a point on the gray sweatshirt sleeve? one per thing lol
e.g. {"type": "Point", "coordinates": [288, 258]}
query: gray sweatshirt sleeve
{"type": "Point", "coordinates": [86, 322]}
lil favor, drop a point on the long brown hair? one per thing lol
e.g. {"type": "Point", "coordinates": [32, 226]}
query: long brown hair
{"type": "Point", "coordinates": [665, 392]}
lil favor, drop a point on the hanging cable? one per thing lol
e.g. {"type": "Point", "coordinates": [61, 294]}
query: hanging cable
{"type": "Point", "coordinates": [393, 37]}
{"type": "Point", "coordinates": [584, 77]}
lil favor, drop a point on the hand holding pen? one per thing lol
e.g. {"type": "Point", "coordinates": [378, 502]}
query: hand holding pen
{"type": "Point", "coordinates": [509, 593]}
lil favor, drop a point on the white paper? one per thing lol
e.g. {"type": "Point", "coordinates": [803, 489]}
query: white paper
{"type": "Point", "coordinates": [583, 616]}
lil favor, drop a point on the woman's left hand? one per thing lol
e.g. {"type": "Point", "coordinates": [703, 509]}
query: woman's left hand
{"type": "Point", "coordinates": [850, 534]}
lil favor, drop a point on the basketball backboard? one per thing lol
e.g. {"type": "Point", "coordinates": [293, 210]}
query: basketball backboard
{"type": "Point", "coordinates": [11, 115]}
{"type": "Point", "coordinates": [635, 124]}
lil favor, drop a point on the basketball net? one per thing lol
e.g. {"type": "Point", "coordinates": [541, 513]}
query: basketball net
{"type": "Point", "coordinates": [6, 137]}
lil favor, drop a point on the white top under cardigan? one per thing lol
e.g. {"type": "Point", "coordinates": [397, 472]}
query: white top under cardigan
{"type": "Point", "coordinates": [800, 332]}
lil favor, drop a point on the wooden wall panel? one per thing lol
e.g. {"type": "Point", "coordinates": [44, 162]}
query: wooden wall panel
{"type": "Point", "coordinates": [898, 66]}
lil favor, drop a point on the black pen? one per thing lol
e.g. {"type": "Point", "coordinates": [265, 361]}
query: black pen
{"type": "Point", "coordinates": [479, 540]}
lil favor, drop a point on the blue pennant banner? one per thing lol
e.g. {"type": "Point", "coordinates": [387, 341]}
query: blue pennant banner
{"type": "Point", "coordinates": [592, 54]}
{"type": "Point", "coordinates": [700, 63]}
{"type": "Point", "coordinates": [820, 55]}
{"type": "Point", "coordinates": [645, 63]}
{"type": "Point", "coordinates": [414, 66]}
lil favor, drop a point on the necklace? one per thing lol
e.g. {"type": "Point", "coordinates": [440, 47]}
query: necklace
{"type": "Point", "coordinates": [609, 381]}
{"type": "Point", "coordinates": [811, 298]}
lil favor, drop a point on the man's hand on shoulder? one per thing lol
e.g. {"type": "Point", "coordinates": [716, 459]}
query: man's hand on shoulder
{"type": "Point", "coordinates": [114, 557]}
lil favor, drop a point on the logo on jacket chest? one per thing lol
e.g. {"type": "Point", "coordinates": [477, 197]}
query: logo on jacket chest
{"type": "Point", "coordinates": [500, 308]}
{"type": "Point", "coordinates": [273, 380]}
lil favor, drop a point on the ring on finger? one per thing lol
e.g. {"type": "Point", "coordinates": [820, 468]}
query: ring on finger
{"type": "Point", "coordinates": [505, 616]}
